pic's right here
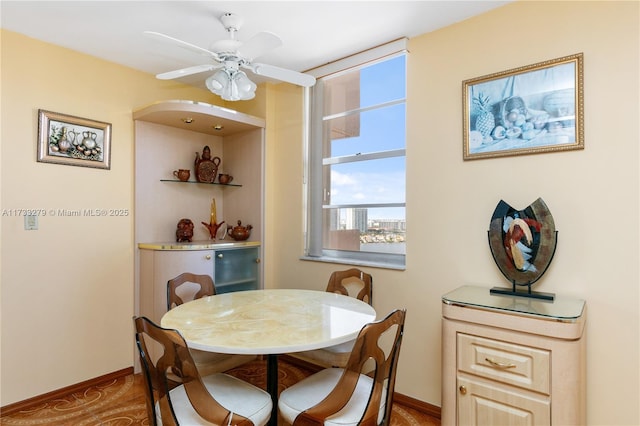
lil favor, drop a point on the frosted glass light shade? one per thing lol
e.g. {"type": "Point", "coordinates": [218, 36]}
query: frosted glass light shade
{"type": "Point", "coordinates": [246, 87]}
{"type": "Point", "coordinates": [231, 85]}
{"type": "Point", "coordinates": [217, 81]}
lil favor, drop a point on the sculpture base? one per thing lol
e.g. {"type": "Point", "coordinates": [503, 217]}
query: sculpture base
{"type": "Point", "coordinates": [513, 292]}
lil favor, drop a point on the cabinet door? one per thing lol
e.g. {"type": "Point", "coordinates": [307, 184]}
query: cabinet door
{"type": "Point", "coordinates": [237, 269]}
{"type": "Point", "coordinates": [491, 404]}
{"type": "Point", "coordinates": [171, 263]}
{"type": "Point", "coordinates": [156, 268]}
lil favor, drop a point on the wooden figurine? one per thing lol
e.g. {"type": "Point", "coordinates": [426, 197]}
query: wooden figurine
{"type": "Point", "coordinates": [184, 233]}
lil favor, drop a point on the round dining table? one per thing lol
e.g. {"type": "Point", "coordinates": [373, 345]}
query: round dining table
{"type": "Point", "coordinates": [269, 322]}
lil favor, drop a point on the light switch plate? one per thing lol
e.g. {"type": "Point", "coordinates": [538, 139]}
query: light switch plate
{"type": "Point", "coordinates": [31, 223]}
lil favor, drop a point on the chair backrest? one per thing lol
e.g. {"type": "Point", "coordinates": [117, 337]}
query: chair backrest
{"type": "Point", "coordinates": [372, 344]}
{"type": "Point", "coordinates": [204, 287]}
{"type": "Point", "coordinates": [176, 359]}
{"type": "Point", "coordinates": [352, 282]}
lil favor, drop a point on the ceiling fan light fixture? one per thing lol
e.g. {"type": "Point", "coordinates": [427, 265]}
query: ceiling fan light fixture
{"type": "Point", "coordinates": [244, 84]}
{"type": "Point", "coordinates": [231, 85]}
{"type": "Point", "coordinates": [228, 56]}
{"type": "Point", "coordinates": [217, 82]}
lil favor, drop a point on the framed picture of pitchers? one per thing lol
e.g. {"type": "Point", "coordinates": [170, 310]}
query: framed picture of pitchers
{"type": "Point", "coordinates": [73, 141]}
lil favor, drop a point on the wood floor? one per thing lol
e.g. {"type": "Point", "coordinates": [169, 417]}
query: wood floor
{"type": "Point", "coordinates": [121, 402]}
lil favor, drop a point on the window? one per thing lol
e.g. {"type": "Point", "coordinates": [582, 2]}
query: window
{"type": "Point", "coordinates": [356, 161]}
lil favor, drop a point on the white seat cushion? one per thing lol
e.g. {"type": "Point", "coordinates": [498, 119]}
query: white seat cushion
{"type": "Point", "coordinates": [313, 389]}
{"type": "Point", "coordinates": [232, 393]}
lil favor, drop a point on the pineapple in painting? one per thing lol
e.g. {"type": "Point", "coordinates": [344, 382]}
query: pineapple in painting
{"type": "Point", "coordinates": [485, 121]}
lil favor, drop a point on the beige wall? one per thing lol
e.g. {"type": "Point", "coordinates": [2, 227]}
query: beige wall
{"type": "Point", "coordinates": [67, 288]}
{"type": "Point", "coordinates": [593, 195]}
{"type": "Point", "coordinates": [589, 192]}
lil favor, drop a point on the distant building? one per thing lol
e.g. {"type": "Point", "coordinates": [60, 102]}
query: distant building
{"type": "Point", "coordinates": [399, 225]}
{"type": "Point", "coordinates": [357, 219]}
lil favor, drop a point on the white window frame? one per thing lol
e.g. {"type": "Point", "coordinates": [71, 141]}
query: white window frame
{"type": "Point", "coordinates": [313, 181]}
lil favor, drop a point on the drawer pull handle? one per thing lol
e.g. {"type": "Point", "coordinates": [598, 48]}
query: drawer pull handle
{"type": "Point", "coordinates": [499, 364]}
{"type": "Point", "coordinates": [208, 257]}
{"type": "Point", "coordinates": [220, 256]}
{"type": "Point", "coordinates": [463, 390]}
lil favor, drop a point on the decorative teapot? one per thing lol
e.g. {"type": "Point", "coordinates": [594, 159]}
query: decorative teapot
{"type": "Point", "coordinates": [239, 233]}
{"type": "Point", "coordinates": [206, 168]}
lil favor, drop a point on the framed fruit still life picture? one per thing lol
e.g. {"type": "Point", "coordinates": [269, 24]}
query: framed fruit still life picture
{"type": "Point", "coordinates": [532, 109]}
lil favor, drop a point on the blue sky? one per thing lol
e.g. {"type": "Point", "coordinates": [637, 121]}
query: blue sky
{"type": "Point", "coordinates": [377, 181]}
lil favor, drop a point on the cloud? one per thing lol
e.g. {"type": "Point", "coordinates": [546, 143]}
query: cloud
{"type": "Point", "coordinates": [341, 179]}
{"type": "Point", "coordinates": [369, 187]}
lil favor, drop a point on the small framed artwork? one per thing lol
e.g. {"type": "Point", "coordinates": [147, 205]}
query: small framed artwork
{"type": "Point", "coordinates": [73, 141]}
{"type": "Point", "coordinates": [528, 110]}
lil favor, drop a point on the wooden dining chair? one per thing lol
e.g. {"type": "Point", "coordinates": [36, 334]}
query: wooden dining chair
{"type": "Point", "coordinates": [349, 396]}
{"type": "Point", "coordinates": [217, 399]}
{"type": "Point", "coordinates": [184, 288]}
{"type": "Point", "coordinates": [187, 287]}
{"type": "Point", "coordinates": [352, 282]}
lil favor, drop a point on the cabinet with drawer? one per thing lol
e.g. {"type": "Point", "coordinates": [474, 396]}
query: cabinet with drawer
{"type": "Point", "coordinates": [509, 360]}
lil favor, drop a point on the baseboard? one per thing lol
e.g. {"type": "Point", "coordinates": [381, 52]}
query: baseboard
{"type": "Point", "coordinates": [37, 400]}
{"type": "Point", "coordinates": [416, 404]}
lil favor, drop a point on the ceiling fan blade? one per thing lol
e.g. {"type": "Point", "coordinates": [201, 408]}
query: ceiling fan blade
{"type": "Point", "coordinates": [283, 74]}
{"type": "Point", "coordinates": [183, 44]}
{"type": "Point", "coordinates": [259, 44]}
{"type": "Point", "coordinates": [186, 71]}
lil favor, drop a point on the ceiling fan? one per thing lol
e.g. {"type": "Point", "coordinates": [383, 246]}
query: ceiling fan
{"type": "Point", "coordinates": [229, 57]}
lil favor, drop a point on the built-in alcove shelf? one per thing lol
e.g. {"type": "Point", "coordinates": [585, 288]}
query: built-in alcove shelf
{"type": "Point", "coordinates": [167, 134]}
{"type": "Point", "coordinates": [201, 183]}
{"type": "Point", "coordinates": [198, 117]}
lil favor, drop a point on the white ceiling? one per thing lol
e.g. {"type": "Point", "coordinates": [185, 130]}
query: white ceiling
{"type": "Point", "coordinates": [313, 32]}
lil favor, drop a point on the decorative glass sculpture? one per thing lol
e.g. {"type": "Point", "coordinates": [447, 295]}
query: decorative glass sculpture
{"type": "Point", "coordinates": [522, 243]}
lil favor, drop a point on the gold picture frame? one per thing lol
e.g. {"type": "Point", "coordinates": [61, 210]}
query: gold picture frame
{"type": "Point", "coordinates": [73, 141]}
{"type": "Point", "coordinates": [528, 110]}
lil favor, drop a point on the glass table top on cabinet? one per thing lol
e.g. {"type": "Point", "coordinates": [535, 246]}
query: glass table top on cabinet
{"type": "Point", "coordinates": [563, 309]}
